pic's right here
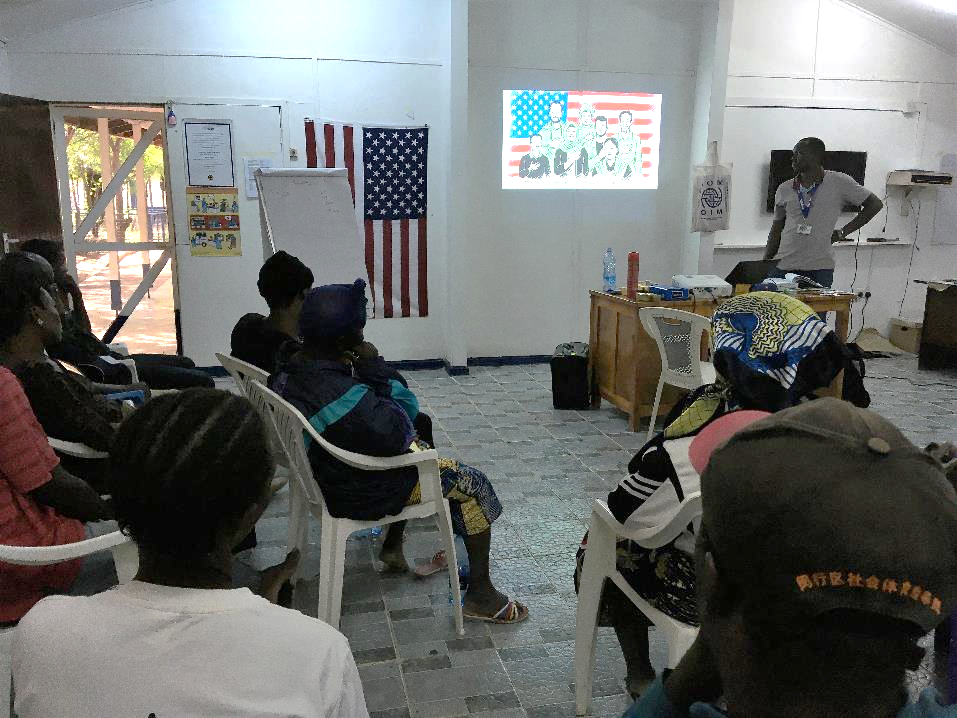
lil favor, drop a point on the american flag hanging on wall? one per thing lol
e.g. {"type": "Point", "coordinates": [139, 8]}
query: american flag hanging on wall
{"type": "Point", "coordinates": [387, 169]}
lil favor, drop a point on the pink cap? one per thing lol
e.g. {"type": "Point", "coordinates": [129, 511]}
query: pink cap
{"type": "Point", "coordinates": [718, 432]}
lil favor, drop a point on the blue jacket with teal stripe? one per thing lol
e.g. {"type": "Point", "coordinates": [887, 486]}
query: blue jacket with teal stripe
{"type": "Point", "coordinates": [368, 410]}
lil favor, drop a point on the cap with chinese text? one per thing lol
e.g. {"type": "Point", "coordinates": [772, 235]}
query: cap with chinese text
{"type": "Point", "coordinates": [827, 506]}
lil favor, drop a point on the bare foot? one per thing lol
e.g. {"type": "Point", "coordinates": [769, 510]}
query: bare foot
{"type": "Point", "coordinates": [394, 560]}
{"type": "Point", "coordinates": [274, 577]}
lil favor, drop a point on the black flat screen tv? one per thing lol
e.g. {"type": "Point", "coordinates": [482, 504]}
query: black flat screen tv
{"type": "Point", "coordinates": [850, 163]}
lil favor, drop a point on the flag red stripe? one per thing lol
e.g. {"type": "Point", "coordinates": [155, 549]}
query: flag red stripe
{"type": "Point", "coordinates": [311, 159]}
{"type": "Point", "coordinates": [349, 156]}
{"type": "Point", "coordinates": [387, 268]}
{"type": "Point", "coordinates": [404, 247]}
{"type": "Point", "coordinates": [370, 261]}
{"type": "Point", "coordinates": [329, 138]}
{"type": "Point", "coordinates": [423, 270]}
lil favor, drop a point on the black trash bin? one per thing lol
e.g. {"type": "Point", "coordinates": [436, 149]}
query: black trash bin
{"type": "Point", "coordinates": [570, 388]}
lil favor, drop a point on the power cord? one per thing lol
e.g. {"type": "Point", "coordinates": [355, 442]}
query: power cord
{"type": "Point", "coordinates": [910, 264]}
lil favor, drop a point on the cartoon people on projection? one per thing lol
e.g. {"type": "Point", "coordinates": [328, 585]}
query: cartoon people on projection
{"type": "Point", "coordinates": [535, 164]}
{"type": "Point", "coordinates": [586, 148]}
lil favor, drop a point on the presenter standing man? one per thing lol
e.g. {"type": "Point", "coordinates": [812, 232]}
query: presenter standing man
{"type": "Point", "coordinates": [806, 211]}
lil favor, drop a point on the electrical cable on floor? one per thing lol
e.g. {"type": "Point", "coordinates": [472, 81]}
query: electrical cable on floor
{"type": "Point", "coordinates": [910, 264]}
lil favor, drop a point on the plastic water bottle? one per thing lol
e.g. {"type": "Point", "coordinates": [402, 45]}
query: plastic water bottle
{"type": "Point", "coordinates": [609, 281]}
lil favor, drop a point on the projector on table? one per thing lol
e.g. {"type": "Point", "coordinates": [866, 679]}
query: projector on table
{"type": "Point", "coordinates": [699, 284]}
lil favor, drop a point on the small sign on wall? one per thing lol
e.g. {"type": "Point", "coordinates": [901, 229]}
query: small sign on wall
{"type": "Point", "coordinates": [209, 153]}
{"type": "Point", "coordinates": [711, 191]}
{"type": "Point", "coordinates": [214, 222]}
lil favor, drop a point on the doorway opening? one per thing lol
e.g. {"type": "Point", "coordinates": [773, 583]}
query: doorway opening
{"type": "Point", "coordinates": [112, 170]}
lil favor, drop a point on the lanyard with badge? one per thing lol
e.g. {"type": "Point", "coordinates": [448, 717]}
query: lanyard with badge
{"type": "Point", "coordinates": [806, 200]}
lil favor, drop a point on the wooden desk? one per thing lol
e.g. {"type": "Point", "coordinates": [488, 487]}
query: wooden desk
{"type": "Point", "coordinates": [623, 361]}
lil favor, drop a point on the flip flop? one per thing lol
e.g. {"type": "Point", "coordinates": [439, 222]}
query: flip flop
{"type": "Point", "coordinates": [511, 612]}
{"type": "Point", "coordinates": [438, 563]}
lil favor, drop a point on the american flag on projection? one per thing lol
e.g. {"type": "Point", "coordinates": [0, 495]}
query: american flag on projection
{"type": "Point", "coordinates": [527, 112]}
{"type": "Point", "coordinates": [387, 168]}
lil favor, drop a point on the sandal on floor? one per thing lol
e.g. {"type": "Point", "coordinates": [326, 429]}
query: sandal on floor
{"type": "Point", "coordinates": [511, 612]}
{"type": "Point", "coordinates": [438, 563]}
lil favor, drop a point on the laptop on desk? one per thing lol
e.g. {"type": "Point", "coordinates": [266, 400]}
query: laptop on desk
{"type": "Point", "coordinates": [751, 272]}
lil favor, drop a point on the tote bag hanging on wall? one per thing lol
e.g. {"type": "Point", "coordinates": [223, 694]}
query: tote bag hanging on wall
{"type": "Point", "coordinates": [711, 190]}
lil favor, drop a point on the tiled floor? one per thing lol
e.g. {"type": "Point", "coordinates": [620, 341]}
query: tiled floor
{"type": "Point", "coordinates": [546, 466]}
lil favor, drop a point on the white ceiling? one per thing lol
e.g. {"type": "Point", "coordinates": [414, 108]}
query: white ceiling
{"type": "Point", "coordinates": [19, 18]}
{"type": "Point", "coordinates": [923, 18]}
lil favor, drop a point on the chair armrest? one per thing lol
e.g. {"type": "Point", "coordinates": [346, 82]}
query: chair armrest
{"type": "Point", "coordinates": [128, 363]}
{"type": "Point", "coordinates": [656, 536]}
{"type": "Point", "coordinates": [76, 449]}
{"type": "Point", "coordinates": [44, 555]}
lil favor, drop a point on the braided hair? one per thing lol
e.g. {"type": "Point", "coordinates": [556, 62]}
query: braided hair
{"type": "Point", "coordinates": [185, 467]}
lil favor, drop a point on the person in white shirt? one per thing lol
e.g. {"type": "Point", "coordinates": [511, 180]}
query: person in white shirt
{"type": "Point", "coordinates": [190, 476]}
{"type": "Point", "coordinates": [806, 211]}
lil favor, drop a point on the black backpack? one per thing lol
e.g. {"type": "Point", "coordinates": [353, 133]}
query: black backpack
{"type": "Point", "coordinates": [854, 390]}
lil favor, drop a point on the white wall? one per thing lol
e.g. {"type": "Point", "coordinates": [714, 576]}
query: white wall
{"type": "Point", "coordinates": [365, 61]}
{"type": "Point", "coordinates": [834, 53]}
{"type": "Point", "coordinates": [4, 69]}
{"type": "Point", "coordinates": [532, 255]}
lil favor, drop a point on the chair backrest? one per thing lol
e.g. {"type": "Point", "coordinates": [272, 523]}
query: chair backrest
{"type": "Point", "coordinates": [242, 371]}
{"type": "Point", "coordinates": [287, 423]}
{"type": "Point", "coordinates": [294, 430]}
{"type": "Point", "coordinates": [688, 513]}
{"type": "Point", "coordinates": [678, 336]}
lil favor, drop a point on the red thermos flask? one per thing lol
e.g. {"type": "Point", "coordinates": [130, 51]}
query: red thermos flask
{"type": "Point", "coordinates": [632, 284]}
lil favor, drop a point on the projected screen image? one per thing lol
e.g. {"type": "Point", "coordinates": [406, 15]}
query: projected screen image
{"type": "Point", "coordinates": [580, 140]}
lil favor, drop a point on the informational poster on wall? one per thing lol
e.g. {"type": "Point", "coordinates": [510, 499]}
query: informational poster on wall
{"type": "Point", "coordinates": [209, 153]}
{"type": "Point", "coordinates": [562, 139]}
{"type": "Point", "coordinates": [214, 222]}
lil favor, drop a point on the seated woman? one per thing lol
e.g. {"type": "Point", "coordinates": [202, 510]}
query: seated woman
{"type": "Point", "coordinates": [357, 402]}
{"type": "Point", "coordinates": [42, 504]}
{"type": "Point", "coordinates": [80, 346]}
{"type": "Point", "coordinates": [771, 351]}
{"type": "Point", "coordinates": [190, 477]}
{"type": "Point", "coordinates": [68, 406]}
{"type": "Point", "coordinates": [283, 283]}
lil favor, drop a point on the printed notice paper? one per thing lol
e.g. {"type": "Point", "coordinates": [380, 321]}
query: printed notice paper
{"type": "Point", "coordinates": [209, 154]}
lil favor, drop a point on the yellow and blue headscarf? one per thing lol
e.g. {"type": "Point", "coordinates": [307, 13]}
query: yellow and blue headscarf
{"type": "Point", "coordinates": [770, 351]}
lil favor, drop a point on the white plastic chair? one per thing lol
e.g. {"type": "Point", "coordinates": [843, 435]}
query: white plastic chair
{"type": "Point", "coordinates": [600, 564]}
{"type": "Point", "coordinates": [305, 498]}
{"type": "Point", "coordinates": [243, 373]}
{"type": "Point", "coordinates": [678, 336]}
{"type": "Point", "coordinates": [76, 449]}
{"type": "Point", "coordinates": [125, 558]}
{"type": "Point", "coordinates": [125, 555]}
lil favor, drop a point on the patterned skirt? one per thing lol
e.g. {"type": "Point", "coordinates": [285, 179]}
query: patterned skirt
{"type": "Point", "coordinates": [664, 577]}
{"type": "Point", "coordinates": [472, 500]}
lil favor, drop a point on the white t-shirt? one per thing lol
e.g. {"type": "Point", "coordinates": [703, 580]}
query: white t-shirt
{"type": "Point", "coordinates": [143, 650]}
{"type": "Point", "coordinates": [813, 251]}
